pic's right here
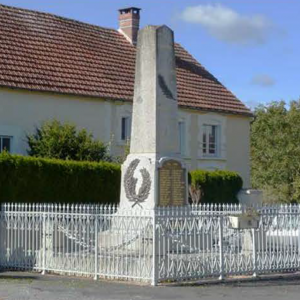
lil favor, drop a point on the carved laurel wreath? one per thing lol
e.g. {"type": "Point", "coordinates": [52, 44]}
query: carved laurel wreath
{"type": "Point", "coordinates": [130, 184]}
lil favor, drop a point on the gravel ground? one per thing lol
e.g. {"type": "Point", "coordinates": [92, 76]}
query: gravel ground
{"type": "Point", "coordinates": [25, 286]}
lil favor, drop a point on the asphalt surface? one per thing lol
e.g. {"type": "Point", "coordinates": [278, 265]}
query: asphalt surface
{"type": "Point", "coordinates": [24, 286]}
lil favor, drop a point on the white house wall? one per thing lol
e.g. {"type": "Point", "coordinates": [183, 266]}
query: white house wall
{"type": "Point", "coordinates": [22, 111]}
{"type": "Point", "coordinates": [120, 110]}
{"type": "Point", "coordinates": [238, 146]}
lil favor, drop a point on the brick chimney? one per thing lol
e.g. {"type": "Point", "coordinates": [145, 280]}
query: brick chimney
{"type": "Point", "coordinates": [129, 23]}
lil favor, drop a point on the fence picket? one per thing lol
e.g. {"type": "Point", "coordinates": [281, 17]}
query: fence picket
{"type": "Point", "coordinates": [177, 243]}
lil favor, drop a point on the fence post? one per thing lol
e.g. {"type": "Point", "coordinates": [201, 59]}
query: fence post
{"type": "Point", "coordinates": [254, 253]}
{"type": "Point", "coordinates": [96, 247]}
{"type": "Point", "coordinates": [1, 229]}
{"type": "Point", "coordinates": [44, 243]}
{"type": "Point", "coordinates": [154, 247]}
{"type": "Point", "coordinates": [221, 277]}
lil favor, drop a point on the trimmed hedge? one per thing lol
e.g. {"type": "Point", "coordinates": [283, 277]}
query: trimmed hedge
{"type": "Point", "coordinates": [29, 179]}
{"type": "Point", "coordinates": [34, 180]}
{"type": "Point", "coordinates": [217, 186]}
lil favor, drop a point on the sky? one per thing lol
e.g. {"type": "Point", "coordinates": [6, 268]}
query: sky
{"type": "Point", "coordinates": [251, 46]}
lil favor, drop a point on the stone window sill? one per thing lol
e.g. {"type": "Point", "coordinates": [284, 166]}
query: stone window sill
{"type": "Point", "coordinates": [187, 157]}
{"type": "Point", "coordinates": [212, 158]}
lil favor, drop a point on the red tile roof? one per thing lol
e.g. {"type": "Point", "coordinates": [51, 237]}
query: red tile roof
{"type": "Point", "coordinates": [43, 52]}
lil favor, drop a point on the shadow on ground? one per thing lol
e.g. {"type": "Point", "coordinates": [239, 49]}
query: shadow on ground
{"type": "Point", "coordinates": [276, 280]}
{"type": "Point", "coordinates": [9, 275]}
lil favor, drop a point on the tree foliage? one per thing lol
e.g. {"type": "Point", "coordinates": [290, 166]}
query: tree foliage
{"type": "Point", "coordinates": [275, 150]}
{"type": "Point", "coordinates": [63, 141]}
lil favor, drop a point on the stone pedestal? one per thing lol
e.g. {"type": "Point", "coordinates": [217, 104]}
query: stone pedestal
{"type": "Point", "coordinates": [247, 243]}
{"type": "Point", "coordinates": [149, 182]}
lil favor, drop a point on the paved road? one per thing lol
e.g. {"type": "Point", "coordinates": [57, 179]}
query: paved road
{"type": "Point", "coordinates": [25, 286]}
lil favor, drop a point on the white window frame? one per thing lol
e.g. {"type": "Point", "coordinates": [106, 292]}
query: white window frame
{"type": "Point", "coordinates": [182, 137]}
{"type": "Point", "coordinates": [127, 128]}
{"type": "Point", "coordinates": [205, 130]}
{"type": "Point", "coordinates": [10, 144]}
{"type": "Point", "coordinates": [213, 119]}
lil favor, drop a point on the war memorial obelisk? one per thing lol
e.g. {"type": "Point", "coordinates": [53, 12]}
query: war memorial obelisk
{"type": "Point", "coordinates": [154, 173]}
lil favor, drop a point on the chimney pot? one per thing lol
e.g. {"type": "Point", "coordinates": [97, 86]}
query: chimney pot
{"type": "Point", "coordinates": [129, 23]}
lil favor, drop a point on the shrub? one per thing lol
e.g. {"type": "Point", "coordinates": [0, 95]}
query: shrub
{"type": "Point", "coordinates": [62, 141]}
{"type": "Point", "coordinates": [216, 186]}
{"type": "Point", "coordinates": [33, 180]}
{"type": "Point", "coordinates": [29, 179]}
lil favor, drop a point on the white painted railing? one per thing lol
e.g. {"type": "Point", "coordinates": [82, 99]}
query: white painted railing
{"type": "Point", "coordinates": [186, 243]}
{"type": "Point", "coordinates": [73, 239]}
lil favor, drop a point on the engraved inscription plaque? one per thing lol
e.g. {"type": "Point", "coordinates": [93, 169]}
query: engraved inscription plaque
{"type": "Point", "coordinates": [172, 184]}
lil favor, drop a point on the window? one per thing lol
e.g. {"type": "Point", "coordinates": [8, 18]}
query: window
{"type": "Point", "coordinates": [181, 129]}
{"type": "Point", "coordinates": [125, 130]}
{"type": "Point", "coordinates": [5, 143]}
{"type": "Point", "coordinates": [210, 140]}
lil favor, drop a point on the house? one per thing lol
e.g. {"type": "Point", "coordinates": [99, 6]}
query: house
{"type": "Point", "coordinates": [53, 67]}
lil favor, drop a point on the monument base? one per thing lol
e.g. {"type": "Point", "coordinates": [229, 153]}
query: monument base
{"type": "Point", "coordinates": [149, 181]}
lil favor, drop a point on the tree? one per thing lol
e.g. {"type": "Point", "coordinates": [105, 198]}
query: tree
{"type": "Point", "coordinates": [62, 141]}
{"type": "Point", "coordinates": [275, 150]}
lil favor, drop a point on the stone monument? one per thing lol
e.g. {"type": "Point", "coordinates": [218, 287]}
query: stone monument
{"type": "Point", "coordinates": [154, 173]}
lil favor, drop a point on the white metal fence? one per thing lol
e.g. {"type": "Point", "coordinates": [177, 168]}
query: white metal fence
{"type": "Point", "coordinates": [180, 243]}
{"type": "Point", "coordinates": [84, 240]}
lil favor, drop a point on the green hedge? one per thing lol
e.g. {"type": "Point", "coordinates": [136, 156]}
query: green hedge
{"type": "Point", "coordinates": [217, 186]}
{"type": "Point", "coordinates": [28, 179]}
